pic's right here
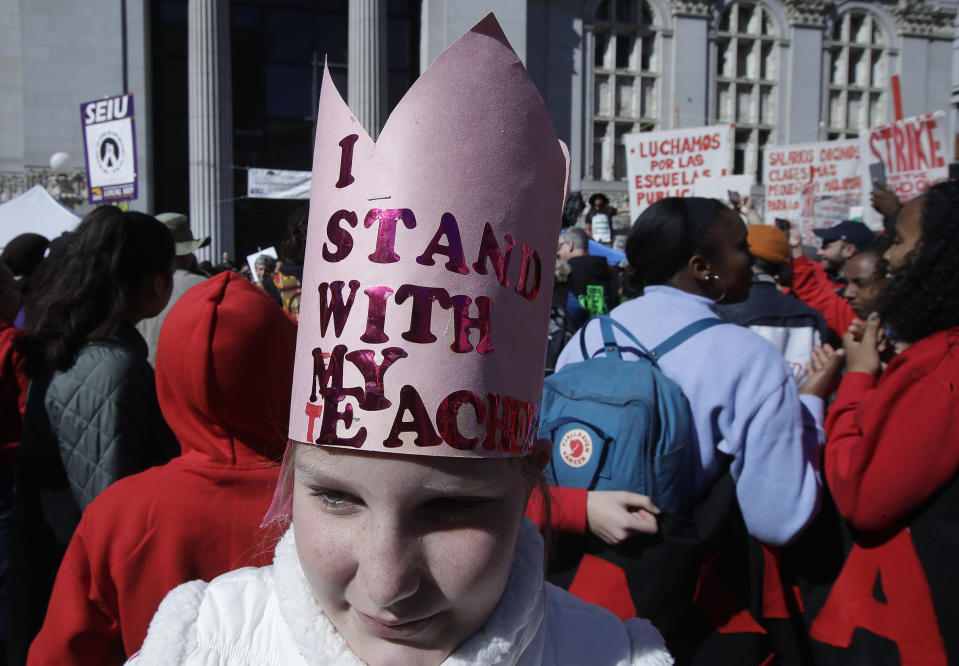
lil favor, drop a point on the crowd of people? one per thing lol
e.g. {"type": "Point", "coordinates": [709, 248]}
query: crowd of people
{"type": "Point", "coordinates": [162, 502]}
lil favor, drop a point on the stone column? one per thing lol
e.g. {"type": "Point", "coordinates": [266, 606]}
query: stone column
{"type": "Point", "coordinates": [210, 126]}
{"type": "Point", "coordinates": [366, 73]}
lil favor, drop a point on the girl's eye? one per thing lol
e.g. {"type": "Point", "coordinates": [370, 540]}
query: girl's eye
{"type": "Point", "coordinates": [335, 500]}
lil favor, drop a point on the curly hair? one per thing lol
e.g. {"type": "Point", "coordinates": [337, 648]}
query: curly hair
{"type": "Point", "coordinates": [293, 247]}
{"type": "Point", "coordinates": [83, 290]}
{"type": "Point", "coordinates": [920, 299]}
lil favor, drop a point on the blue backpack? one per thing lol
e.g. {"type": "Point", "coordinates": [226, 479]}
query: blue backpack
{"type": "Point", "coordinates": [621, 425]}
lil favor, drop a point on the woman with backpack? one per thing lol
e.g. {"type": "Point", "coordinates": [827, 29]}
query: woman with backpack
{"type": "Point", "coordinates": [750, 426]}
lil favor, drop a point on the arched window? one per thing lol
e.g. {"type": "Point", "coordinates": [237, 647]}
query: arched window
{"type": "Point", "coordinates": [746, 68]}
{"type": "Point", "coordinates": [857, 56]}
{"type": "Point", "coordinates": [623, 60]}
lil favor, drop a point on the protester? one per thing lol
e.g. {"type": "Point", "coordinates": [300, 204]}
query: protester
{"type": "Point", "coordinates": [840, 242]}
{"type": "Point", "coordinates": [186, 275]}
{"type": "Point", "coordinates": [599, 219]}
{"type": "Point", "coordinates": [892, 456]}
{"type": "Point", "coordinates": [223, 369]}
{"type": "Point", "coordinates": [394, 556]}
{"type": "Point", "coordinates": [859, 274]}
{"type": "Point", "coordinates": [13, 399]}
{"type": "Point", "coordinates": [289, 272]}
{"type": "Point", "coordinates": [590, 281]}
{"type": "Point", "coordinates": [92, 415]}
{"type": "Point", "coordinates": [750, 422]}
{"type": "Point", "coordinates": [795, 328]}
{"type": "Point", "coordinates": [265, 267]}
{"type": "Point", "coordinates": [22, 255]}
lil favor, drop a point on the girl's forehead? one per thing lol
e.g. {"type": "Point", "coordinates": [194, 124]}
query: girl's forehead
{"type": "Point", "coordinates": [379, 469]}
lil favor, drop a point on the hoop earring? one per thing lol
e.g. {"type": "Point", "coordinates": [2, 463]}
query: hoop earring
{"type": "Point", "coordinates": [709, 279]}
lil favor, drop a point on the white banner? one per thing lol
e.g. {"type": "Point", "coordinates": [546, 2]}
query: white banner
{"type": "Point", "coordinates": [812, 184]}
{"type": "Point", "coordinates": [723, 187]}
{"type": "Point", "coordinates": [277, 184]}
{"type": "Point", "coordinates": [670, 162]}
{"type": "Point", "coordinates": [914, 152]}
{"type": "Point", "coordinates": [110, 149]}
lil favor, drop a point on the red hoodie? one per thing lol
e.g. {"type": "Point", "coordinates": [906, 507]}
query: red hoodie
{"type": "Point", "coordinates": [224, 364]}
{"type": "Point", "coordinates": [13, 392]}
{"type": "Point", "coordinates": [815, 289]}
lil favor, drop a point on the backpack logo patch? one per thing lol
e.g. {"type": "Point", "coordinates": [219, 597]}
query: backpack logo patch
{"type": "Point", "coordinates": [576, 447]}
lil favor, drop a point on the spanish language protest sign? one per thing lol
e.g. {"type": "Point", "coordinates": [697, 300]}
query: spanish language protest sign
{"type": "Point", "coordinates": [670, 162]}
{"type": "Point", "coordinates": [812, 184]}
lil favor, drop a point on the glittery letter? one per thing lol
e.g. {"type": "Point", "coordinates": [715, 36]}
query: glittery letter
{"type": "Point", "coordinates": [457, 260]}
{"type": "Point", "coordinates": [331, 414]}
{"type": "Point", "coordinates": [511, 425]}
{"type": "Point", "coordinates": [447, 413]}
{"type": "Point", "coordinates": [462, 323]}
{"type": "Point", "coordinates": [386, 233]}
{"type": "Point", "coordinates": [376, 315]}
{"type": "Point", "coordinates": [328, 375]}
{"type": "Point", "coordinates": [346, 160]}
{"type": "Point", "coordinates": [375, 397]}
{"type": "Point", "coordinates": [422, 311]}
{"type": "Point", "coordinates": [332, 305]}
{"type": "Point", "coordinates": [529, 257]}
{"type": "Point", "coordinates": [425, 435]}
{"type": "Point", "coordinates": [339, 236]}
{"type": "Point", "coordinates": [314, 412]}
{"type": "Point", "coordinates": [489, 249]}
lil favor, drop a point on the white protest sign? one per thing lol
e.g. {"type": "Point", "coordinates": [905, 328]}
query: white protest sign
{"type": "Point", "coordinates": [812, 184]}
{"type": "Point", "coordinates": [277, 184]}
{"type": "Point", "coordinates": [914, 152]}
{"type": "Point", "coordinates": [720, 188]}
{"type": "Point", "coordinates": [251, 258]}
{"type": "Point", "coordinates": [110, 148]}
{"type": "Point", "coordinates": [669, 163]}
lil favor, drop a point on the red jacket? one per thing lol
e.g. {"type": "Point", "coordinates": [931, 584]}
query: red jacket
{"type": "Point", "coordinates": [814, 288]}
{"type": "Point", "coordinates": [892, 464]}
{"type": "Point", "coordinates": [224, 363]}
{"type": "Point", "coordinates": [13, 392]}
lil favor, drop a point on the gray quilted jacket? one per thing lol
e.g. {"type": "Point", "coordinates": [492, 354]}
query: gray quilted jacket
{"type": "Point", "coordinates": [105, 415]}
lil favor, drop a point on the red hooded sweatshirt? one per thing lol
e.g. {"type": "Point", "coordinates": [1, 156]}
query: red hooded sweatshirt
{"type": "Point", "coordinates": [224, 365]}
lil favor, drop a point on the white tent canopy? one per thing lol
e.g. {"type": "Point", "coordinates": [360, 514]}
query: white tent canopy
{"type": "Point", "coordinates": [34, 211]}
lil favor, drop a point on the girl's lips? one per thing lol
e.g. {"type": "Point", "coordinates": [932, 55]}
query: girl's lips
{"type": "Point", "coordinates": [390, 629]}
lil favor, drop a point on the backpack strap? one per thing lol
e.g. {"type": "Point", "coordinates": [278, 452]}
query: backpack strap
{"type": "Point", "coordinates": [610, 346]}
{"type": "Point", "coordinates": [683, 335]}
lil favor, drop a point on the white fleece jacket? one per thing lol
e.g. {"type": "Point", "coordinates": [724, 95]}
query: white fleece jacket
{"type": "Point", "coordinates": [269, 615]}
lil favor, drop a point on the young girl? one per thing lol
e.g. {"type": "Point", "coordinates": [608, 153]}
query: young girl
{"type": "Point", "coordinates": [892, 455]}
{"type": "Point", "coordinates": [415, 398]}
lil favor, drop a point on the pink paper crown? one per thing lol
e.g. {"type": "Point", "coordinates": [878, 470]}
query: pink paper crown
{"type": "Point", "coordinates": [429, 263]}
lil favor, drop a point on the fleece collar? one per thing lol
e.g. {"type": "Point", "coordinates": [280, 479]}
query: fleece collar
{"type": "Point", "coordinates": [504, 640]}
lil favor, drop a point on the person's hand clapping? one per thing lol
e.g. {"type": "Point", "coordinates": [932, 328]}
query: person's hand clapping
{"type": "Point", "coordinates": [615, 515]}
{"type": "Point", "coordinates": [822, 374]}
{"type": "Point", "coordinates": [861, 344]}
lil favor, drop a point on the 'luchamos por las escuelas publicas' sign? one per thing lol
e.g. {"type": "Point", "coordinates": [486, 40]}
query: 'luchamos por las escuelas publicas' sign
{"type": "Point", "coordinates": [668, 163]}
{"type": "Point", "coordinates": [110, 148]}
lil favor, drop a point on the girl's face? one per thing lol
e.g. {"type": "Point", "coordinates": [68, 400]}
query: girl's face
{"type": "Point", "coordinates": [908, 234]}
{"type": "Point", "coordinates": [407, 555]}
{"type": "Point", "coordinates": [733, 261]}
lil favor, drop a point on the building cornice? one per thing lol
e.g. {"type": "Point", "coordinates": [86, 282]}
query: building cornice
{"type": "Point", "coordinates": [694, 8]}
{"type": "Point", "coordinates": [807, 13]}
{"type": "Point", "coordinates": [915, 18]}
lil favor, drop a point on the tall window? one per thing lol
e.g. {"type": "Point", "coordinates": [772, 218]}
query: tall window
{"type": "Point", "coordinates": [857, 59]}
{"type": "Point", "coordinates": [746, 69]}
{"type": "Point", "coordinates": [624, 75]}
